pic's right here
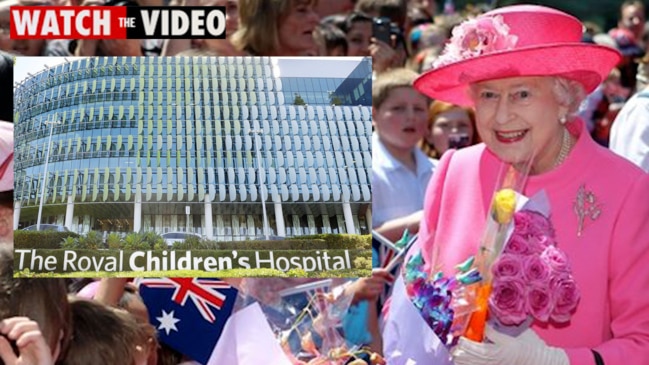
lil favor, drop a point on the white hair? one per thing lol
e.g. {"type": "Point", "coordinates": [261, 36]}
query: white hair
{"type": "Point", "coordinates": [569, 93]}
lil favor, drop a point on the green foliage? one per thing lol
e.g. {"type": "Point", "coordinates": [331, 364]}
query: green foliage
{"type": "Point", "coordinates": [40, 239]}
{"type": "Point", "coordinates": [234, 273]}
{"type": "Point", "coordinates": [92, 241]}
{"type": "Point", "coordinates": [363, 262]}
{"type": "Point", "coordinates": [298, 100]}
{"type": "Point", "coordinates": [190, 243]}
{"type": "Point", "coordinates": [343, 241]}
{"type": "Point", "coordinates": [135, 241]}
{"type": "Point", "coordinates": [70, 243]}
{"type": "Point", "coordinates": [289, 244]}
{"type": "Point", "coordinates": [114, 241]}
{"type": "Point", "coordinates": [296, 273]}
{"type": "Point", "coordinates": [159, 246]}
{"type": "Point", "coordinates": [151, 239]}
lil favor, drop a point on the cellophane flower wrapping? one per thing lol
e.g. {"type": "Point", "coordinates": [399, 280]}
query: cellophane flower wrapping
{"type": "Point", "coordinates": [306, 318]}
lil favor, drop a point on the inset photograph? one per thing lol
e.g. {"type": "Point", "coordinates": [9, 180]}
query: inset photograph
{"type": "Point", "coordinates": [186, 166]}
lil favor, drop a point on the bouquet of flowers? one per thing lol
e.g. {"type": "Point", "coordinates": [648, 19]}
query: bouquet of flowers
{"type": "Point", "coordinates": [517, 276]}
{"type": "Point", "coordinates": [307, 319]}
{"type": "Point", "coordinates": [532, 278]}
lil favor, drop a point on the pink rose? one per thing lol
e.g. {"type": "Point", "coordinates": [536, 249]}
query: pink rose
{"type": "Point", "coordinates": [535, 270]}
{"type": "Point", "coordinates": [566, 297]}
{"type": "Point", "coordinates": [538, 244]}
{"type": "Point", "coordinates": [556, 259]}
{"type": "Point", "coordinates": [517, 245]}
{"type": "Point", "coordinates": [530, 223]}
{"type": "Point", "coordinates": [507, 300]}
{"type": "Point", "coordinates": [507, 265]}
{"type": "Point", "coordinates": [539, 302]}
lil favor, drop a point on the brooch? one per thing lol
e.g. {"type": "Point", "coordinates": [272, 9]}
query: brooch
{"type": "Point", "coordinates": [586, 207]}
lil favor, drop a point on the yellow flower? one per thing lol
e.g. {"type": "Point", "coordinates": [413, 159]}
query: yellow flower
{"type": "Point", "coordinates": [504, 206]}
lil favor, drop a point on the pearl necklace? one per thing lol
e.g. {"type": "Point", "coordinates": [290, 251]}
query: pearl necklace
{"type": "Point", "coordinates": [566, 146]}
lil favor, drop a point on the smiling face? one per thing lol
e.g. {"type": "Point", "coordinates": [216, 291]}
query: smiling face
{"type": "Point", "coordinates": [517, 117]}
{"type": "Point", "coordinates": [296, 30]}
{"type": "Point", "coordinates": [401, 120]}
{"type": "Point", "coordinates": [453, 122]}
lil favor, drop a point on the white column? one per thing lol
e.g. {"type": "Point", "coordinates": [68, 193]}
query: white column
{"type": "Point", "coordinates": [137, 217]}
{"type": "Point", "coordinates": [368, 217]}
{"type": "Point", "coordinates": [349, 219]}
{"type": "Point", "coordinates": [69, 213]}
{"type": "Point", "coordinates": [209, 231]}
{"type": "Point", "coordinates": [326, 224]}
{"type": "Point", "coordinates": [279, 219]}
{"type": "Point", "coordinates": [16, 215]}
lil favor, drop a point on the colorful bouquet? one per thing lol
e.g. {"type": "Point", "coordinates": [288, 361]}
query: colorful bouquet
{"type": "Point", "coordinates": [518, 275]}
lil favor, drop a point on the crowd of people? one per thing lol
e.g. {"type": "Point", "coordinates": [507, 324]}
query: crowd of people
{"type": "Point", "coordinates": [432, 175]}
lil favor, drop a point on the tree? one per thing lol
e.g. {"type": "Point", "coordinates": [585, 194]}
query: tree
{"type": "Point", "coordinates": [298, 100]}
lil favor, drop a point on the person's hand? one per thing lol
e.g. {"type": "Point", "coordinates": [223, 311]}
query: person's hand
{"type": "Point", "coordinates": [382, 55]}
{"type": "Point", "coordinates": [370, 288]}
{"type": "Point", "coordinates": [32, 348]}
{"type": "Point", "coordinates": [501, 349]}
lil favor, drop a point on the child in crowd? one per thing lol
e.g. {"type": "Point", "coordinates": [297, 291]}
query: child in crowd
{"type": "Point", "coordinates": [106, 336]}
{"type": "Point", "coordinates": [400, 170]}
{"type": "Point", "coordinates": [449, 127]}
{"type": "Point", "coordinates": [330, 40]}
{"type": "Point", "coordinates": [41, 307]}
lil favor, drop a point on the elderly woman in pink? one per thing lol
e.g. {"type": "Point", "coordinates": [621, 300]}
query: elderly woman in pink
{"type": "Point", "coordinates": [525, 72]}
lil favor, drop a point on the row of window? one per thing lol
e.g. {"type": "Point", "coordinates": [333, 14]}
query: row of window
{"type": "Point", "coordinates": [233, 116]}
{"type": "Point", "coordinates": [103, 66]}
{"type": "Point", "coordinates": [221, 192]}
{"type": "Point", "coordinates": [228, 160]}
{"type": "Point", "coordinates": [231, 175]}
{"type": "Point", "coordinates": [171, 146]}
{"type": "Point", "coordinates": [111, 85]}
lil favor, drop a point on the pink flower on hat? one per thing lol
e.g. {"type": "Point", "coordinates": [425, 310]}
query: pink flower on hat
{"type": "Point", "coordinates": [476, 37]}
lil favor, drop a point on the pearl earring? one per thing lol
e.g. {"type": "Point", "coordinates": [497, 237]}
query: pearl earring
{"type": "Point", "coordinates": [563, 119]}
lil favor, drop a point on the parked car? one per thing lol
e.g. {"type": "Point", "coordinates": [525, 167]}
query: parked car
{"type": "Point", "coordinates": [173, 237]}
{"type": "Point", "coordinates": [47, 227]}
{"type": "Point", "coordinates": [270, 238]}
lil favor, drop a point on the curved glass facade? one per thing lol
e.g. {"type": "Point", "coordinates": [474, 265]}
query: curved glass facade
{"type": "Point", "coordinates": [190, 143]}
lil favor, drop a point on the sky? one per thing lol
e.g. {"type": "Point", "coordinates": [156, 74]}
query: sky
{"type": "Point", "coordinates": [290, 66]}
{"type": "Point", "coordinates": [34, 65]}
{"type": "Point", "coordinates": [317, 66]}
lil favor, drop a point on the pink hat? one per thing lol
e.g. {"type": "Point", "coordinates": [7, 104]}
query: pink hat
{"type": "Point", "coordinates": [520, 40]}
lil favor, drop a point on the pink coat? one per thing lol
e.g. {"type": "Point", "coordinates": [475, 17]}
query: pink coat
{"type": "Point", "coordinates": [610, 260]}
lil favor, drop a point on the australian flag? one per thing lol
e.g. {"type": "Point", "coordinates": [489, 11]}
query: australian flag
{"type": "Point", "coordinates": [189, 313]}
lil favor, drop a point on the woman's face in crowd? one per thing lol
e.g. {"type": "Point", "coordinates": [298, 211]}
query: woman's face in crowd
{"type": "Point", "coordinates": [518, 117]}
{"type": "Point", "coordinates": [359, 38]}
{"type": "Point", "coordinates": [296, 30]}
{"type": "Point", "coordinates": [454, 122]}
